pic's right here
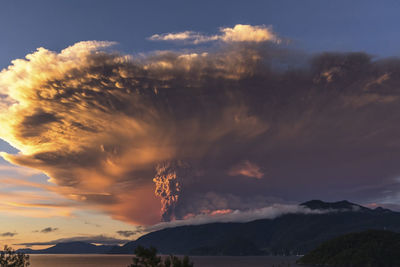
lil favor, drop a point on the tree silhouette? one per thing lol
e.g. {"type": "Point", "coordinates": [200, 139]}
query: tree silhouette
{"type": "Point", "coordinates": [147, 257]}
{"type": "Point", "coordinates": [11, 258]}
{"type": "Point", "coordinates": [173, 261]}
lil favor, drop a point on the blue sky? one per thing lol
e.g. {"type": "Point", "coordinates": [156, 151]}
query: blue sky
{"type": "Point", "coordinates": [313, 25]}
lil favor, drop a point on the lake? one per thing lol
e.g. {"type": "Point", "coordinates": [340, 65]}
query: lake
{"type": "Point", "coordinates": [124, 260]}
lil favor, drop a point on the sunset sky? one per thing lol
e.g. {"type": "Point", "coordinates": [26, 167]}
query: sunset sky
{"type": "Point", "coordinates": [122, 117]}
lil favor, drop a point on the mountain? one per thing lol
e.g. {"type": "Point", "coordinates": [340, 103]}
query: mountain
{"type": "Point", "coordinates": [70, 248]}
{"type": "Point", "coordinates": [368, 248]}
{"type": "Point", "coordinates": [295, 233]}
{"type": "Point", "coordinates": [288, 234]}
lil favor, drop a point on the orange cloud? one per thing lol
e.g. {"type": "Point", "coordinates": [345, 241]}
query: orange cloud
{"type": "Point", "coordinates": [248, 169]}
{"type": "Point", "coordinates": [34, 205]}
{"type": "Point", "coordinates": [97, 124]}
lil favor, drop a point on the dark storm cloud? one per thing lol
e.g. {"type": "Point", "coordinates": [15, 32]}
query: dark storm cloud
{"type": "Point", "coordinates": [35, 124]}
{"type": "Point", "coordinates": [251, 124]}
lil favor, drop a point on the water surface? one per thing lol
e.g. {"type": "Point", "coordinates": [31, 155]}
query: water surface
{"type": "Point", "coordinates": [83, 260]}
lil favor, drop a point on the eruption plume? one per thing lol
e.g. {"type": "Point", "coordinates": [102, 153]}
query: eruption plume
{"type": "Point", "coordinates": [169, 180]}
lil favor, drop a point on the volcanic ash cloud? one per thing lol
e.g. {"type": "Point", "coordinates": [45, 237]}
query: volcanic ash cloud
{"type": "Point", "coordinates": [98, 122]}
{"type": "Point", "coordinates": [256, 123]}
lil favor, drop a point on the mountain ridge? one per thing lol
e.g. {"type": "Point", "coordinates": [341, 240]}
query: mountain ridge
{"type": "Point", "coordinates": [293, 233]}
{"type": "Point", "coordinates": [339, 205]}
{"type": "Point", "coordinates": [76, 247]}
{"type": "Point", "coordinates": [288, 234]}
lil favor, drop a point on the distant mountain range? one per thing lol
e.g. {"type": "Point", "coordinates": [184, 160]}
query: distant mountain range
{"type": "Point", "coordinates": [295, 233]}
{"type": "Point", "coordinates": [70, 248]}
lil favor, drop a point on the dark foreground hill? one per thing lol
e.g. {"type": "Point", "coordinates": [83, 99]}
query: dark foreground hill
{"type": "Point", "coordinates": [369, 248]}
{"type": "Point", "coordinates": [287, 234]}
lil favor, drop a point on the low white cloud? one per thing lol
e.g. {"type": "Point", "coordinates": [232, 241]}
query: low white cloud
{"type": "Point", "coordinates": [270, 212]}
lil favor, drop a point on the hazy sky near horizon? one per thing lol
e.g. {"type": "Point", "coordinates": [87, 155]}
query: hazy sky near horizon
{"type": "Point", "coordinates": [212, 104]}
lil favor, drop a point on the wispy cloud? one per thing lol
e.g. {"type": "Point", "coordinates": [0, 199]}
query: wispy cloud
{"type": "Point", "coordinates": [94, 224]}
{"type": "Point", "coordinates": [8, 234]}
{"type": "Point", "coordinates": [22, 171]}
{"type": "Point", "coordinates": [126, 233]}
{"type": "Point", "coordinates": [186, 36]}
{"type": "Point", "coordinates": [46, 230]}
{"type": "Point", "coordinates": [239, 33]}
{"type": "Point", "coordinates": [35, 204]}
{"type": "Point", "coordinates": [248, 169]}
